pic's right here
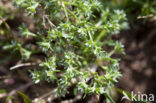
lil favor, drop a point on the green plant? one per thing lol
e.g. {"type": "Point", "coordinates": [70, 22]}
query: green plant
{"type": "Point", "coordinates": [26, 99]}
{"type": "Point", "coordinates": [135, 8]}
{"type": "Point", "coordinates": [73, 35]}
{"type": "Point", "coordinates": [7, 12]}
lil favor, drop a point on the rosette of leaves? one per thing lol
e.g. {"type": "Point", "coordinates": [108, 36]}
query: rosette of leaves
{"type": "Point", "coordinates": [73, 34]}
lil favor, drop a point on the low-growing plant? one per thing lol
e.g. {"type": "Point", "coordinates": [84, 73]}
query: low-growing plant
{"type": "Point", "coordinates": [70, 34]}
{"type": "Point", "coordinates": [76, 37]}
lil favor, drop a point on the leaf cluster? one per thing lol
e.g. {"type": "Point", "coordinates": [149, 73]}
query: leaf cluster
{"type": "Point", "coordinates": [70, 33]}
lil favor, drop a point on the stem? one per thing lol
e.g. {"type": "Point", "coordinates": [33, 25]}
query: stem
{"type": "Point", "coordinates": [99, 23]}
{"type": "Point", "coordinates": [65, 11]}
{"type": "Point", "coordinates": [100, 36]}
{"type": "Point", "coordinates": [69, 3]}
{"type": "Point", "coordinates": [51, 24]}
{"type": "Point", "coordinates": [90, 36]}
{"type": "Point", "coordinates": [72, 14]}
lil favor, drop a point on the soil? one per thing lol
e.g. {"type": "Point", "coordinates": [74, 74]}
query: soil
{"type": "Point", "coordinates": [138, 66]}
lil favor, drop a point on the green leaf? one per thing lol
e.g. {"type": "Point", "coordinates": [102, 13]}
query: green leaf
{"type": "Point", "coordinates": [9, 98]}
{"type": "Point", "coordinates": [2, 91]}
{"type": "Point", "coordinates": [109, 97]}
{"type": "Point", "coordinates": [26, 99]}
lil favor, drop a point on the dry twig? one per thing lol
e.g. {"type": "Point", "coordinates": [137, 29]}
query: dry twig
{"type": "Point", "coordinates": [23, 65]}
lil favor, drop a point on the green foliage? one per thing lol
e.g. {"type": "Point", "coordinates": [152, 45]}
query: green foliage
{"type": "Point", "coordinates": [2, 91]}
{"type": "Point", "coordinates": [26, 99]}
{"type": "Point", "coordinates": [70, 34]}
{"type": "Point", "coordinates": [9, 98]}
{"type": "Point", "coordinates": [15, 47]}
{"type": "Point", "coordinates": [146, 7]}
{"type": "Point", "coordinates": [7, 12]}
{"type": "Point", "coordinates": [25, 32]}
{"type": "Point", "coordinates": [74, 35]}
{"type": "Point", "coordinates": [30, 5]}
{"type": "Point", "coordinates": [135, 8]}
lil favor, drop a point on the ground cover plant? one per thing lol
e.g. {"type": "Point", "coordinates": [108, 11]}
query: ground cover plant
{"type": "Point", "coordinates": [75, 37]}
{"type": "Point", "coordinates": [70, 38]}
